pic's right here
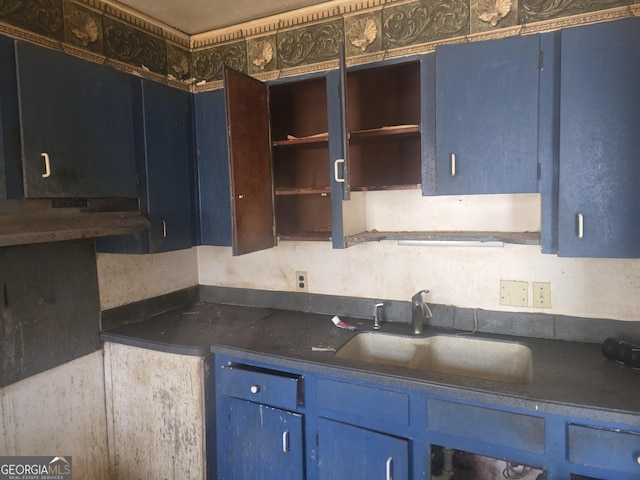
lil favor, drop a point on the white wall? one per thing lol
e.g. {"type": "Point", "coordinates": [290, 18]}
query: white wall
{"type": "Point", "coordinates": [462, 276]}
{"type": "Point", "coordinates": [125, 279]}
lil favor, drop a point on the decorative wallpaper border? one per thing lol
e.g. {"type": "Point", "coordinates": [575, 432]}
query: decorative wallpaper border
{"type": "Point", "coordinates": [301, 41]}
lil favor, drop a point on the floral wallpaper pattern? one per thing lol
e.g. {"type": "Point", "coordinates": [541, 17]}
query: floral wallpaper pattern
{"type": "Point", "coordinates": [368, 28]}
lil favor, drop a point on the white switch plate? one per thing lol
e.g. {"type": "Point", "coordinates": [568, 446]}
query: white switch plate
{"type": "Point", "coordinates": [542, 294]}
{"type": "Point", "coordinates": [514, 293]}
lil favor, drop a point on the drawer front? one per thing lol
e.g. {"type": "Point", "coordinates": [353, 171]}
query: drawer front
{"type": "Point", "coordinates": [596, 447]}
{"type": "Point", "coordinates": [363, 401]}
{"type": "Point", "coordinates": [506, 429]}
{"type": "Point", "coordinates": [269, 387]}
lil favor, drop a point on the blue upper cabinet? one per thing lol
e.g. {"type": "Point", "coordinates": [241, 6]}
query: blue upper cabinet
{"type": "Point", "coordinates": [487, 116]}
{"type": "Point", "coordinates": [167, 134]}
{"type": "Point", "coordinates": [10, 168]}
{"type": "Point", "coordinates": [599, 202]}
{"type": "Point", "coordinates": [77, 126]}
{"type": "Point", "coordinates": [162, 119]}
{"type": "Point", "coordinates": [212, 159]}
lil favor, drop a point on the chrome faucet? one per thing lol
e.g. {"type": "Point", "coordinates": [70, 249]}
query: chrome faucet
{"type": "Point", "coordinates": [377, 308]}
{"type": "Point", "coordinates": [419, 310]}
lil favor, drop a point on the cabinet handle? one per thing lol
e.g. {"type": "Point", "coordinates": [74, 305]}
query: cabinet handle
{"type": "Point", "coordinates": [164, 229]}
{"type": "Point", "coordinates": [254, 388]}
{"type": "Point", "coordinates": [580, 225]}
{"type": "Point", "coordinates": [47, 165]}
{"type": "Point", "coordinates": [285, 441]}
{"type": "Point", "coordinates": [389, 464]}
{"type": "Point", "coordinates": [453, 164]}
{"type": "Point", "coordinates": [335, 170]}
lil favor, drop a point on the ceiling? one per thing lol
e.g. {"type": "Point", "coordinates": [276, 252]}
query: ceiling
{"type": "Point", "coordinates": [199, 16]}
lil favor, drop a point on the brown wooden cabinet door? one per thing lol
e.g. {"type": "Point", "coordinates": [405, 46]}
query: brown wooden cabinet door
{"type": "Point", "coordinates": [250, 159]}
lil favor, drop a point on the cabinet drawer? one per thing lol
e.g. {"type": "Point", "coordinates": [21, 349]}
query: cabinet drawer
{"type": "Point", "coordinates": [597, 447]}
{"type": "Point", "coordinates": [363, 401]}
{"type": "Point", "coordinates": [270, 387]}
{"type": "Point", "coordinates": [507, 429]}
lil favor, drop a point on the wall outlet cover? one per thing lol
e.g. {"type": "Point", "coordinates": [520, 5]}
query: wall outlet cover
{"type": "Point", "coordinates": [542, 294]}
{"type": "Point", "coordinates": [302, 281]}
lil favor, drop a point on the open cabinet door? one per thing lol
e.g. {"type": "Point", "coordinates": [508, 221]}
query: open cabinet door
{"type": "Point", "coordinates": [250, 160]}
{"type": "Point", "coordinates": [344, 113]}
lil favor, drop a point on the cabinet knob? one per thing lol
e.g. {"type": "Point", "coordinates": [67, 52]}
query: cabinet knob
{"type": "Point", "coordinates": [254, 388]}
{"type": "Point", "coordinates": [638, 458]}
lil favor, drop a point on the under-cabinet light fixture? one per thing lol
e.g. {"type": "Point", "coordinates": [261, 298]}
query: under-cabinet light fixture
{"type": "Point", "coordinates": [450, 243]}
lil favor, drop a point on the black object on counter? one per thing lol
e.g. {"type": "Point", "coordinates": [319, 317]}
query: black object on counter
{"type": "Point", "coordinates": [622, 352]}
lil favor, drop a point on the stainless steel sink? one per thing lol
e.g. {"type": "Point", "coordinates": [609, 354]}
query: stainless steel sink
{"type": "Point", "coordinates": [507, 362]}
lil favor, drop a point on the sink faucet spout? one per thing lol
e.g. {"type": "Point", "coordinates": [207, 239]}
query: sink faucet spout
{"type": "Point", "coordinates": [376, 315]}
{"type": "Point", "coordinates": [419, 311]}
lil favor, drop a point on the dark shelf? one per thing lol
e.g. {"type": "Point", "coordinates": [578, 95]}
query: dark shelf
{"type": "Point", "coordinates": [312, 140]}
{"type": "Point", "coordinates": [396, 132]}
{"type": "Point", "coordinates": [302, 191]}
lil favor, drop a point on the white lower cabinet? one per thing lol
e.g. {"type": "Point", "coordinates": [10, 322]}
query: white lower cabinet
{"type": "Point", "coordinates": [155, 414]}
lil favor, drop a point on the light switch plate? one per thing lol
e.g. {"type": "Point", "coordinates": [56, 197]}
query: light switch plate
{"type": "Point", "coordinates": [514, 293]}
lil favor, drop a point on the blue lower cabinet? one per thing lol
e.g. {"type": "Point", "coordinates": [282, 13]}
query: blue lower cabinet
{"type": "Point", "coordinates": [259, 442]}
{"type": "Point", "coordinates": [353, 453]}
{"type": "Point", "coordinates": [275, 423]}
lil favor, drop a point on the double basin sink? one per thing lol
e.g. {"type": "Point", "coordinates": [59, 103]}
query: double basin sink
{"type": "Point", "coordinates": [493, 360]}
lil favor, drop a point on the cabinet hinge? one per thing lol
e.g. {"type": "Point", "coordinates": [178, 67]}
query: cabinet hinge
{"type": "Point", "coordinates": [539, 172]}
{"type": "Point", "coordinates": [317, 438]}
{"type": "Point", "coordinates": [540, 59]}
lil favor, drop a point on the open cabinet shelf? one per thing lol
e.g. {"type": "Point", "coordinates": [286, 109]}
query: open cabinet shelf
{"type": "Point", "coordinates": [300, 159]}
{"type": "Point", "coordinates": [383, 126]}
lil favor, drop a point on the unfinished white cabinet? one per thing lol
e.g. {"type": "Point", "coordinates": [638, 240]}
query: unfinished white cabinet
{"type": "Point", "coordinates": [59, 412]}
{"type": "Point", "coordinates": [155, 413]}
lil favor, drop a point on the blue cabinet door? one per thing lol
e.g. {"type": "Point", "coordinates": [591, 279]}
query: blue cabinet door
{"type": "Point", "coordinates": [10, 168]}
{"type": "Point", "coordinates": [78, 117]}
{"type": "Point", "coordinates": [353, 453]}
{"type": "Point", "coordinates": [212, 154]}
{"type": "Point", "coordinates": [163, 143]}
{"type": "Point", "coordinates": [258, 442]}
{"type": "Point", "coordinates": [167, 153]}
{"type": "Point", "coordinates": [599, 204]}
{"type": "Point", "coordinates": [487, 116]}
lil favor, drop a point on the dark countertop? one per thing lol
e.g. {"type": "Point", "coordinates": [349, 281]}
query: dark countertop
{"type": "Point", "coordinates": [569, 378]}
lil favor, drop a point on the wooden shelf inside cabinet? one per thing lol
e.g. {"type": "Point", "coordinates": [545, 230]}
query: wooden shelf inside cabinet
{"type": "Point", "coordinates": [393, 133]}
{"type": "Point", "coordinates": [312, 141]}
{"type": "Point", "coordinates": [520, 238]}
{"type": "Point", "coordinates": [305, 236]}
{"type": "Point", "coordinates": [302, 191]}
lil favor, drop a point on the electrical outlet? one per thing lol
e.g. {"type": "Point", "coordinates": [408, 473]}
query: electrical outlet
{"type": "Point", "coordinates": [514, 293]}
{"type": "Point", "coordinates": [302, 281]}
{"type": "Point", "coordinates": [542, 294]}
